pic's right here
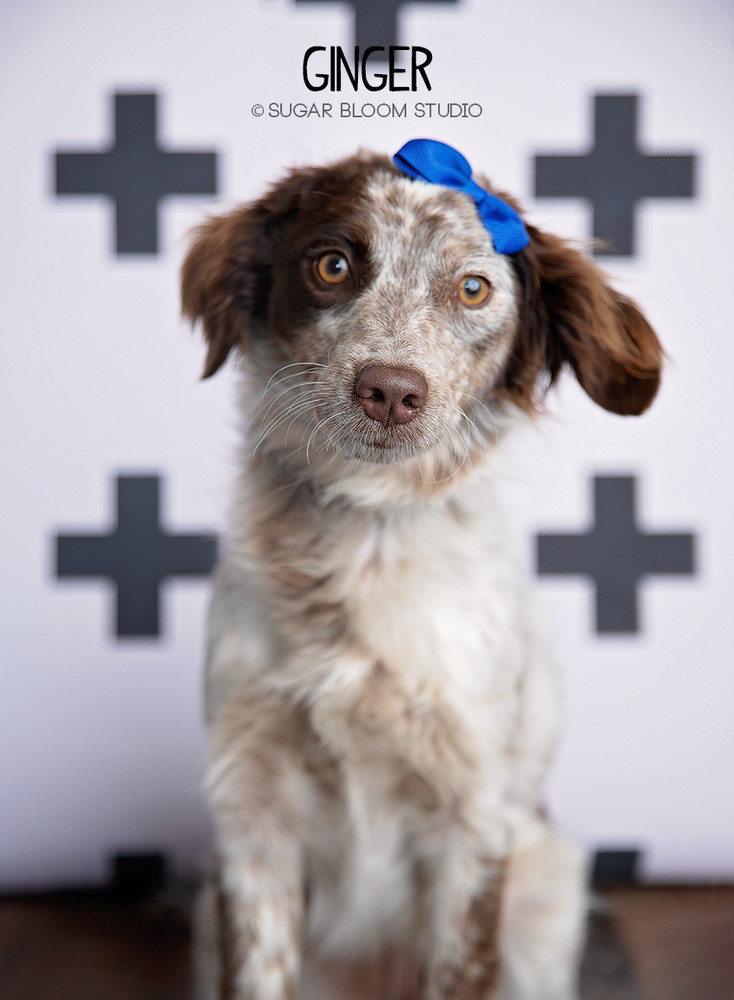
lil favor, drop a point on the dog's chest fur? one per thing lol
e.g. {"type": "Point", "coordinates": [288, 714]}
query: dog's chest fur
{"type": "Point", "coordinates": [422, 723]}
{"type": "Point", "coordinates": [400, 635]}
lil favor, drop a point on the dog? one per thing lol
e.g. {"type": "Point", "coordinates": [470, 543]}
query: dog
{"type": "Point", "coordinates": [381, 706]}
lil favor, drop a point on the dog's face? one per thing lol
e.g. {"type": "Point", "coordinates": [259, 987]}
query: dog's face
{"type": "Point", "coordinates": [390, 296]}
{"type": "Point", "coordinates": [382, 324]}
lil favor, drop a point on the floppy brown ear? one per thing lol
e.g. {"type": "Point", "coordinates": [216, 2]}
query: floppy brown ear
{"type": "Point", "coordinates": [225, 278]}
{"type": "Point", "coordinates": [570, 314]}
{"type": "Point", "coordinates": [217, 286]}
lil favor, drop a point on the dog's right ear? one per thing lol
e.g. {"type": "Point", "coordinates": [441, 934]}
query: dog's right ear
{"type": "Point", "coordinates": [218, 285]}
{"type": "Point", "coordinates": [225, 278]}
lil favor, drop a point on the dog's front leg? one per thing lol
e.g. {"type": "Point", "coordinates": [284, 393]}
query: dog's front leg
{"type": "Point", "coordinates": [259, 916]}
{"type": "Point", "coordinates": [462, 956]}
{"type": "Point", "coordinates": [260, 896]}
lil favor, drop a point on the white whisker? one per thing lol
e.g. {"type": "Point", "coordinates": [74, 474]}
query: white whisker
{"type": "Point", "coordinates": [312, 435]}
{"type": "Point", "coordinates": [274, 402]}
{"type": "Point", "coordinates": [307, 365]}
{"type": "Point", "coordinates": [304, 403]}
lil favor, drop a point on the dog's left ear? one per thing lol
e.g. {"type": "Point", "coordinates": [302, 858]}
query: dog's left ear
{"type": "Point", "coordinates": [570, 314]}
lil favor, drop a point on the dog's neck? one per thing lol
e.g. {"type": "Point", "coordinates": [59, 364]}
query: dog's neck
{"type": "Point", "coordinates": [331, 483]}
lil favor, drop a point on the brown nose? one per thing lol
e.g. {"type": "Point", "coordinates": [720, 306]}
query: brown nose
{"type": "Point", "coordinates": [391, 395]}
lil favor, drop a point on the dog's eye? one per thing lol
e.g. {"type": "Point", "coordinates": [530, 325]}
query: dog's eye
{"type": "Point", "coordinates": [473, 290]}
{"type": "Point", "coordinates": [333, 267]}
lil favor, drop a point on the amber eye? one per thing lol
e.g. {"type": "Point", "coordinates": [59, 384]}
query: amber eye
{"type": "Point", "coordinates": [473, 290]}
{"type": "Point", "coordinates": [333, 267]}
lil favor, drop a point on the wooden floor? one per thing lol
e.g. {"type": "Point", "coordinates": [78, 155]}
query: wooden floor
{"type": "Point", "coordinates": [644, 944]}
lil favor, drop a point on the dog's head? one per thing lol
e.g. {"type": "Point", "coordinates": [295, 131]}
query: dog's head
{"type": "Point", "coordinates": [381, 324]}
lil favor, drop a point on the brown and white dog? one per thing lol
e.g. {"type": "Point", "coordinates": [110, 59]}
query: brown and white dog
{"type": "Point", "coordinates": [381, 709]}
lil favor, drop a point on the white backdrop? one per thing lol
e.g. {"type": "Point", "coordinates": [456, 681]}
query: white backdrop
{"type": "Point", "coordinates": [101, 750]}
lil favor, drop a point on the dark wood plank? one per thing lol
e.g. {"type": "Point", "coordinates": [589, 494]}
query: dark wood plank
{"type": "Point", "coordinates": [643, 944]}
{"type": "Point", "coordinates": [680, 940]}
{"type": "Point", "coordinates": [82, 949]}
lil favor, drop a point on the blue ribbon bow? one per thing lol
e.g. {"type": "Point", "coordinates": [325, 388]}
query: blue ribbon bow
{"type": "Point", "coordinates": [438, 163]}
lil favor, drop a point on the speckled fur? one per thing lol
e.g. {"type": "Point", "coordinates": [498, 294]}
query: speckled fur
{"type": "Point", "coordinates": [381, 707]}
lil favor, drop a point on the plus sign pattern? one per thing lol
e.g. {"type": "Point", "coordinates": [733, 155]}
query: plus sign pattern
{"type": "Point", "coordinates": [136, 173]}
{"type": "Point", "coordinates": [615, 555]}
{"type": "Point", "coordinates": [137, 556]}
{"type": "Point", "coordinates": [376, 21]}
{"type": "Point", "coordinates": [615, 175]}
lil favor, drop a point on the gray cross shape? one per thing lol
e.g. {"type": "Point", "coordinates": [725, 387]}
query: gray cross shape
{"type": "Point", "coordinates": [615, 176]}
{"type": "Point", "coordinates": [137, 556]}
{"type": "Point", "coordinates": [615, 554]}
{"type": "Point", "coordinates": [136, 173]}
{"type": "Point", "coordinates": [376, 21]}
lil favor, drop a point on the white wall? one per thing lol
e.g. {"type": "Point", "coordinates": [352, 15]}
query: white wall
{"type": "Point", "coordinates": [101, 741]}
